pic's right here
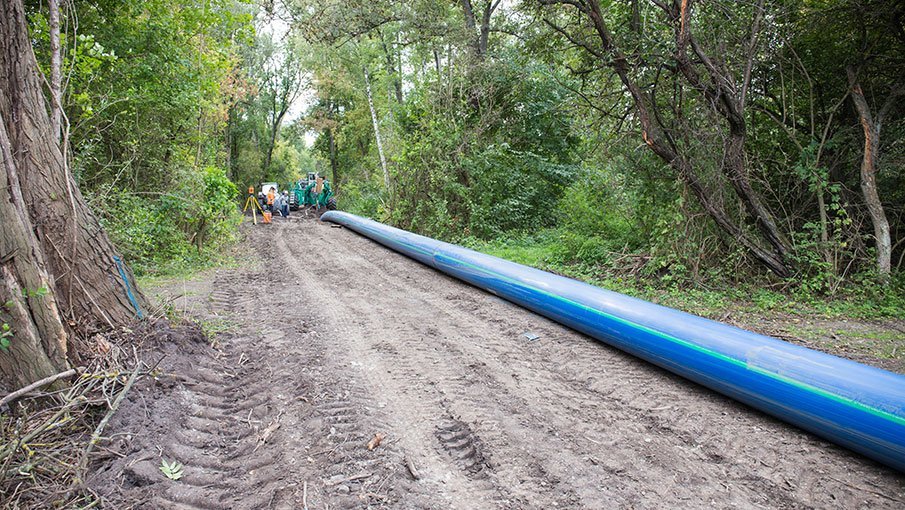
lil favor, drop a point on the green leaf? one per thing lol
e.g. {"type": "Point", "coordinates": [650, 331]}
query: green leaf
{"type": "Point", "coordinates": [172, 470]}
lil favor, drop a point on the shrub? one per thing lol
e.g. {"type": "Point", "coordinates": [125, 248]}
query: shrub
{"type": "Point", "coordinates": [158, 234]}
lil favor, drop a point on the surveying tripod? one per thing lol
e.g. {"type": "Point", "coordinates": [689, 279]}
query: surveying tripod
{"type": "Point", "coordinates": [252, 199]}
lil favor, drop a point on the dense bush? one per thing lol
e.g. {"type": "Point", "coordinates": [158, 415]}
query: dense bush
{"type": "Point", "coordinates": [494, 158]}
{"type": "Point", "coordinates": [159, 234]}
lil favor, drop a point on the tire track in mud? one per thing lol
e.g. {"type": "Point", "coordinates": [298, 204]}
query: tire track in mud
{"type": "Point", "coordinates": [335, 413]}
{"type": "Point", "coordinates": [410, 428]}
{"type": "Point", "coordinates": [536, 475]}
{"type": "Point", "coordinates": [439, 384]}
{"type": "Point", "coordinates": [219, 440]}
{"type": "Point", "coordinates": [489, 378]}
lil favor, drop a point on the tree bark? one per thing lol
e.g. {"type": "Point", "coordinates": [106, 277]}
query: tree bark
{"type": "Point", "coordinates": [383, 159]}
{"type": "Point", "coordinates": [480, 33]}
{"type": "Point", "coordinates": [334, 164]}
{"type": "Point", "coordinates": [56, 77]}
{"type": "Point", "coordinates": [484, 35]}
{"type": "Point", "coordinates": [38, 345]}
{"type": "Point", "coordinates": [84, 283]}
{"type": "Point", "coordinates": [871, 128]}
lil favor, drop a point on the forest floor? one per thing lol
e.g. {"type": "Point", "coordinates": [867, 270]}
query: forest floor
{"type": "Point", "coordinates": [325, 340]}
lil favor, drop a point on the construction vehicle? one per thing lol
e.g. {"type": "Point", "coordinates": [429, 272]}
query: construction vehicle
{"type": "Point", "coordinates": [319, 195]}
{"type": "Point", "coordinates": [297, 191]}
{"type": "Point", "coordinates": [304, 193]}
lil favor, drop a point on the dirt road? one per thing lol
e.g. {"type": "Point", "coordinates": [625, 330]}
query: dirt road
{"type": "Point", "coordinates": [335, 339]}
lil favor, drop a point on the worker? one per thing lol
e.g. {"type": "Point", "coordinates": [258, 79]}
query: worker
{"type": "Point", "coordinates": [277, 204]}
{"type": "Point", "coordinates": [284, 204]}
{"type": "Point", "coordinates": [310, 193]}
{"type": "Point", "coordinates": [271, 196]}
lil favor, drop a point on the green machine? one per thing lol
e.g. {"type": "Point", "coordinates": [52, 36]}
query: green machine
{"type": "Point", "coordinates": [304, 194]}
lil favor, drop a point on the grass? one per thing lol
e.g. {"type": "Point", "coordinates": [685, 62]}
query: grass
{"type": "Point", "coordinates": [179, 270]}
{"type": "Point", "coordinates": [862, 321]}
{"type": "Point", "coordinates": [213, 328]}
{"type": "Point", "coordinates": [712, 298]}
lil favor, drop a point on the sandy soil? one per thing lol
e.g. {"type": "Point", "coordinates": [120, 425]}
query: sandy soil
{"type": "Point", "coordinates": [332, 339]}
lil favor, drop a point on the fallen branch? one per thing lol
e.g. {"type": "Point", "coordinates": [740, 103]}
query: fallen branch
{"type": "Point", "coordinates": [96, 436]}
{"type": "Point", "coordinates": [37, 384]}
{"type": "Point", "coordinates": [265, 436]}
{"type": "Point", "coordinates": [412, 469]}
{"type": "Point", "coordinates": [13, 447]}
{"type": "Point", "coordinates": [336, 480]}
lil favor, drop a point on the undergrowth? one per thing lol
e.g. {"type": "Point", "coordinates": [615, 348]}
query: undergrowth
{"type": "Point", "coordinates": [175, 233]}
{"type": "Point", "coordinates": [50, 437]}
{"type": "Point", "coordinates": [715, 292]}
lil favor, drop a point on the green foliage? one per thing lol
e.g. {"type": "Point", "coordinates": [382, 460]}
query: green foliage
{"type": "Point", "coordinates": [531, 149]}
{"type": "Point", "coordinates": [172, 470]}
{"type": "Point", "coordinates": [863, 299]}
{"type": "Point", "coordinates": [34, 293]}
{"type": "Point", "coordinates": [364, 198]}
{"type": "Point", "coordinates": [190, 225]}
{"type": "Point", "coordinates": [6, 336]}
{"type": "Point", "coordinates": [149, 85]}
{"type": "Point", "coordinates": [460, 172]}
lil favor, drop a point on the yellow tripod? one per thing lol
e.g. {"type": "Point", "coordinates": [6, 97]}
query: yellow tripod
{"type": "Point", "coordinates": [252, 199]}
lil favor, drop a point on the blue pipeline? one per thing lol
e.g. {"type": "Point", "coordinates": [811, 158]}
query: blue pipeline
{"type": "Point", "coordinates": [854, 405]}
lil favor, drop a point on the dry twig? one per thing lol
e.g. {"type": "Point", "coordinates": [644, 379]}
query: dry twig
{"type": "Point", "coordinates": [38, 384]}
{"type": "Point", "coordinates": [43, 453]}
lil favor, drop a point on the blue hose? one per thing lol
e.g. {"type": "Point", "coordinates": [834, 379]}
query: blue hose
{"type": "Point", "coordinates": [128, 287]}
{"type": "Point", "coordinates": [854, 405]}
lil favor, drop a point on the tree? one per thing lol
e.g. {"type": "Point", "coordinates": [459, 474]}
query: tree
{"type": "Point", "coordinates": [696, 71]}
{"type": "Point", "coordinates": [61, 274]}
{"type": "Point", "coordinates": [56, 77]}
{"type": "Point", "coordinates": [879, 63]}
{"type": "Point", "coordinates": [480, 34]}
{"type": "Point", "coordinates": [376, 124]}
{"type": "Point", "coordinates": [280, 87]}
{"type": "Point", "coordinates": [872, 125]}
{"type": "Point", "coordinates": [848, 107]}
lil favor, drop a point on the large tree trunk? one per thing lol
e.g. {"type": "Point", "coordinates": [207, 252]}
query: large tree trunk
{"type": "Point", "coordinates": [38, 346]}
{"type": "Point", "coordinates": [871, 128]}
{"type": "Point", "coordinates": [87, 285]}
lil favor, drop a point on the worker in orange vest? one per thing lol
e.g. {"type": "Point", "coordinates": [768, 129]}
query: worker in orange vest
{"type": "Point", "coordinates": [271, 195]}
